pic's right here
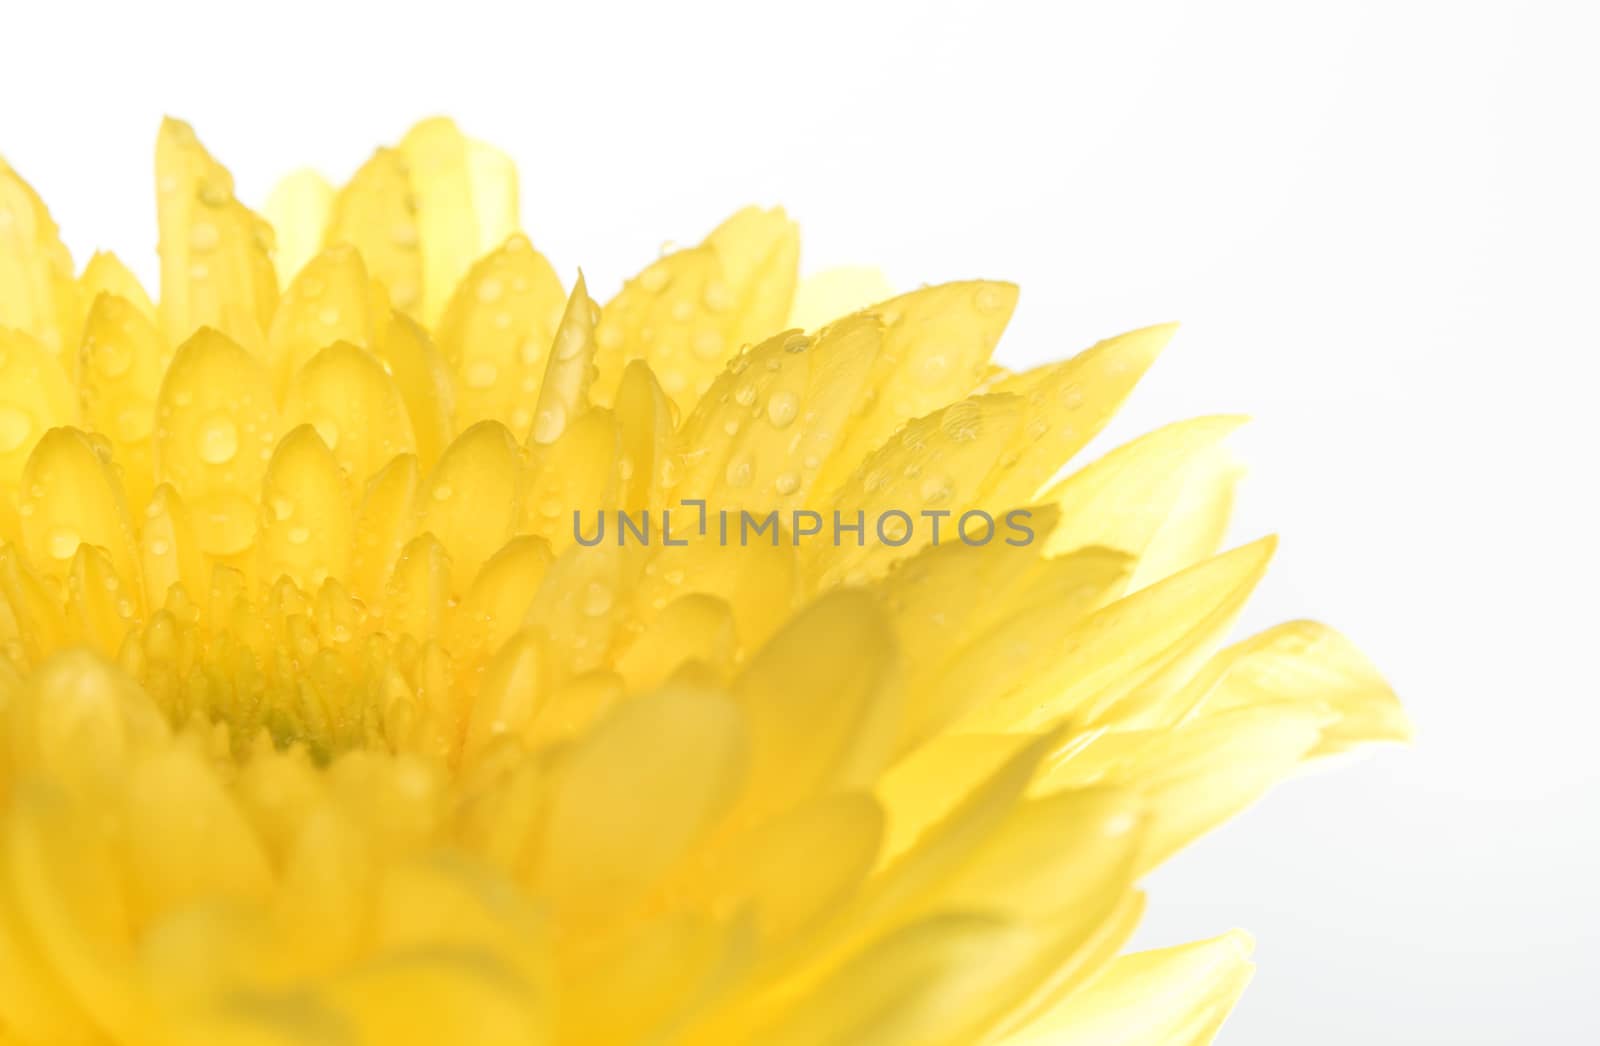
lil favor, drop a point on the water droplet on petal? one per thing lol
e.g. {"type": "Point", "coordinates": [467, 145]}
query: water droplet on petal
{"type": "Point", "coordinates": [63, 542]}
{"type": "Point", "coordinates": [203, 236]}
{"type": "Point", "coordinates": [481, 374]}
{"type": "Point", "coordinates": [782, 408]}
{"type": "Point", "coordinates": [219, 441]}
{"type": "Point", "coordinates": [787, 483]}
{"type": "Point", "coordinates": [596, 599]}
{"type": "Point", "coordinates": [490, 290]}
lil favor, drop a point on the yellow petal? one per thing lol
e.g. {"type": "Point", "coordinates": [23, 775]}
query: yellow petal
{"type": "Point", "coordinates": [331, 300]}
{"type": "Point", "coordinates": [450, 994]}
{"type": "Point", "coordinates": [574, 482]}
{"type": "Point", "coordinates": [636, 794]}
{"type": "Point", "coordinates": [1308, 664]}
{"type": "Point", "coordinates": [34, 396]}
{"type": "Point", "coordinates": [1164, 499]}
{"type": "Point", "coordinates": [345, 394]}
{"type": "Point", "coordinates": [930, 473]}
{"type": "Point", "coordinates": [169, 552]}
{"type": "Point", "coordinates": [306, 525]}
{"type": "Point", "coordinates": [420, 373]}
{"type": "Point", "coordinates": [1174, 997]}
{"type": "Point", "coordinates": [376, 212]}
{"type": "Point", "coordinates": [123, 360]}
{"type": "Point", "coordinates": [216, 254]}
{"type": "Point", "coordinates": [759, 252]}
{"type": "Point", "coordinates": [464, 194]}
{"type": "Point", "coordinates": [298, 210]}
{"type": "Point", "coordinates": [824, 700]}
{"type": "Point", "coordinates": [569, 370]}
{"type": "Point", "coordinates": [936, 342]}
{"type": "Point", "coordinates": [105, 274]}
{"type": "Point", "coordinates": [469, 501]}
{"type": "Point", "coordinates": [759, 436]}
{"type": "Point", "coordinates": [1146, 644]}
{"type": "Point", "coordinates": [383, 525]}
{"type": "Point", "coordinates": [496, 334]}
{"type": "Point", "coordinates": [827, 295]}
{"type": "Point", "coordinates": [38, 295]}
{"type": "Point", "coordinates": [72, 497]}
{"type": "Point", "coordinates": [216, 425]}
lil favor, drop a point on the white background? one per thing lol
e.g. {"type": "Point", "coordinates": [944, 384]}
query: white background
{"type": "Point", "coordinates": [1378, 220]}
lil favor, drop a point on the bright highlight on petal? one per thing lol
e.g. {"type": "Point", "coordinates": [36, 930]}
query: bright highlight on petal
{"type": "Point", "coordinates": [398, 645]}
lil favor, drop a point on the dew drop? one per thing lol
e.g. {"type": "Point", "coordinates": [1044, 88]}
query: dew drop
{"type": "Point", "coordinates": [718, 297]}
{"type": "Point", "coordinates": [203, 236]}
{"type": "Point", "coordinates": [490, 290]}
{"type": "Point", "coordinates": [552, 421]}
{"type": "Point", "coordinates": [299, 535]}
{"type": "Point", "coordinates": [442, 492]}
{"type": "Point", "coordinates": [219, 441]}
{"type": "Point", "coordinates": [682, 311]}
{"type": "Point", "coordinates": [63, 542]}
{"type": "Point", "coordinates": [936, 489]}
{"type": "Point", "coordinates": [787, 483]}
{"type": "Point", "coordinates": [745, 394]}
{"type": "Point", "coordinates": [596, 599]}
{"type": "Point", "coordinates": [329, 315]}
{"type": "Point", "coordinates": [782, 408]}
{"type": "Point", "coordinates": [738, 473]}
{"type": "Point", "coordinates": [481, 374]}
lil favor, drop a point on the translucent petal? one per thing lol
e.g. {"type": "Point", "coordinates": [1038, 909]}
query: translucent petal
{"type": "Point", "coordinates": [636, 794]}
{"type": "Point", "coordinates": [695, 628]}
{"type": "Point", "coordinates": [1064, 406]}
{"type": "Point", "coordinates": [1173, 997]}
{"type": "Point", "coordinates": [759, 252]}
{"type": "Point", "coordinates": [216, 254]}
{"type": "Point", "coordinates": [1164, 631]}
{"type": "Point", "coordinates": [38, 295]}
{"type": "Point", "coordinates": [216, 425]}
{"type": "Point", "coordinates": [936, 342]}
{"type": "Point", "coordinates": [376, 212]}
{"type": "Point", "coordinates": [1308, 664]}
{"type": "Point", "coordinates": [824, 699]}
{"type": "Point", "coordinates": [1164, 498]}
{"type": "Point", "coordinates": [825, 296]}
{"type": "Point", "coordinates": [574, 482]}
{"type": "Point", "coordinates": [455, 180]}
{"type": "Point", "coordinates": [935, 464]}
{"type": "Point", "coordinates": [106, 274]}
{"type": "Point", "coordinates": [298, 210]}
{"type": "Point", "coordinates": [764, 428]}
{"type": "Point", "coordinates": [496, 334]}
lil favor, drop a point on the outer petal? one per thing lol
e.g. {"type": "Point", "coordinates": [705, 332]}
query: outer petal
{"type": "Point", "coordinates": [298, 210]}
{"type": "Point", "coordinates": [38, 294]}
{"type": "Point", "coordinates": [216, 254]}
{"type": "Point", "coordinates": [1171, 997]}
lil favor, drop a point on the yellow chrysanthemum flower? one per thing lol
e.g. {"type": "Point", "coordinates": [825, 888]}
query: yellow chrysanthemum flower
{"type": "Point", "coordinates": [322, 720]}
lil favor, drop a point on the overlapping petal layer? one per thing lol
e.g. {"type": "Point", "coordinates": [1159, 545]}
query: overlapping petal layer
{"type": "Point", "coordinates": [321, 722]}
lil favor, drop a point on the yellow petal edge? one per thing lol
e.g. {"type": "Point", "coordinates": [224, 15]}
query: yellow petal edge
{"type": "Point", "coordinates": [321, 723]}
